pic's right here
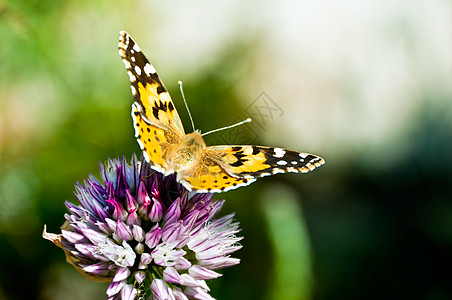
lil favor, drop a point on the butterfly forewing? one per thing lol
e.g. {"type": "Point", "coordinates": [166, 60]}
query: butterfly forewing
{"type": "Point", "coordinates": [223, 168]}
{"type": "Point", "coordinates": [210, 177]}
{"type": "Point", "coordinates": [148, 90]}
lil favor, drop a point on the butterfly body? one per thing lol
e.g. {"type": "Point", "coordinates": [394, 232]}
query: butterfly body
{"type": "Point", "coordinates": [169, 150]}
{"type": "Point", "coordinates": [187, 155]}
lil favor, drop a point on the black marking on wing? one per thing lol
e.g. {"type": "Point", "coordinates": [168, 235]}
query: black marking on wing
{"type": "Point", "coordinates": [279, 162]}
{"type": "Point", "coordinates": [240, 156]}
{"type": "Point", "coordinates": [138, 59]}
{"type": "Point", "coordinates": [255, 150]}
{"type": "Point", "coordinates": [237, 164]}
{"type": "Point", "coordinates": [161, 106]}
{"type": "Point", "coordinates": [155, 112]}
{"type": "Point", "coordinates": [161, 89]}
{"type": "Point", "coordinates": [170, 106]}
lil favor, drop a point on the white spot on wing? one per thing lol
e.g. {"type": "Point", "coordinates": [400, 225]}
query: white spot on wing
{"type": "Point", "coordinates": [138, 70]}
{"type": "Point", "coordinates": [138, 140]}
{"type": "Point", "coordinates": [134, 108]}
{"type": "Point", "coordinates": [276, 171]}
{"type": "Point", "coordinates": [146, 157]}
{"type": "Point", "coordinates": [149, 69]}
{"type": "Point", "coordinates": [131, 76]}
{"type": "Point", "coordinates": [127, 63]}
{"type": "Point", "coordinates": [185, 184]}
{"type": "Point", "coordinates": [136, 48]}
{"type": "Point", "coordinates": [121, 46]}
{"type": "Point", "coordinates": [281, 163]}
{"type": "Point", "coordinates": [248, 151]}
{"type": "Point", "coordinates": [279, 152]}
{"type": "Point", "coordinates": [156, 167]}
{"type": "Point", "coordinates": [303, 155]}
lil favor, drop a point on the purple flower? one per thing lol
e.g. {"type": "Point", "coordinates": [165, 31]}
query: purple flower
{"type": "Point", "coordinates": [146, 234]}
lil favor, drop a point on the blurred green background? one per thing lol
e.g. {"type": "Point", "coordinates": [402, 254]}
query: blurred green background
{"type": "Point", "coordinates": [365, 84]}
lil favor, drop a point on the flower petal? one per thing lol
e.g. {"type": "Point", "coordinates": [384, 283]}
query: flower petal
{"type": "Point", "coordinates": [171, 275]}
{"type": "Point", "coordinates": [123, 231]}
{"type": "Point", "coordinates": [99, 269]}
{"type": "Point", "coordinates": [179, 294]}
{"type": "Point", "coordinates": [121, 274]}
{"type": "Point", "coordinates": [138, 233]}
{"type": "Point", "coordinates": [115, 287]}
{"type": "Point", "coordinates": [146, 259]}
{"type": "Point", "coordinates": [171, 232]}
{"type": "Point", "coordinates": [128, 292]}
{"type": "Point", "coordinates": [197, 293]}
{"type": "Point", "coordinates": [156, 213]}
{"type": "Point", "coordinates": [153, 237]}
{"type": "Point", "coordinates": [202, 273]}
{"type": "Point", "coordinates": [160, 290]}
{"type": "Point", "coordinates": [173, 213]}
{"type": "Point", "coordinates": [139, 276]}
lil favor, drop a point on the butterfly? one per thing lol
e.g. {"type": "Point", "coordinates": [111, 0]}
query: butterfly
{"type": "Point", "coordinates": [168, 149]}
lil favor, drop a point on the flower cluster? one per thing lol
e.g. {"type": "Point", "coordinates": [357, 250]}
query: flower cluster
{"type": "Point", "coordinates": [146, 234]}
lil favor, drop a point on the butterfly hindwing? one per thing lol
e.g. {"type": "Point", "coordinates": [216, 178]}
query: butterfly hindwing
{"type": "Point", "coordinates": [210, 177]}
{"type": "Point", "coordinates": [148, 90]}
{"type": "Point", "coordinates": [155, 142]}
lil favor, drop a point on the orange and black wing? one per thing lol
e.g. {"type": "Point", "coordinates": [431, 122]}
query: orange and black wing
{"type": "Point", "coordinates": [158, 127]}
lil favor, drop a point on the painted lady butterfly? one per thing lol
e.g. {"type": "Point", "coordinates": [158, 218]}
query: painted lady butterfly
{"type": "Point", "coordinates": [168, 149]}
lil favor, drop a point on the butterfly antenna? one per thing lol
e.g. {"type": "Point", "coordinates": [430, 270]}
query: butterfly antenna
{"type": "Point", "coordinates": [183, 97]}
{"type": "Point", "coordinates": [227, 127]}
